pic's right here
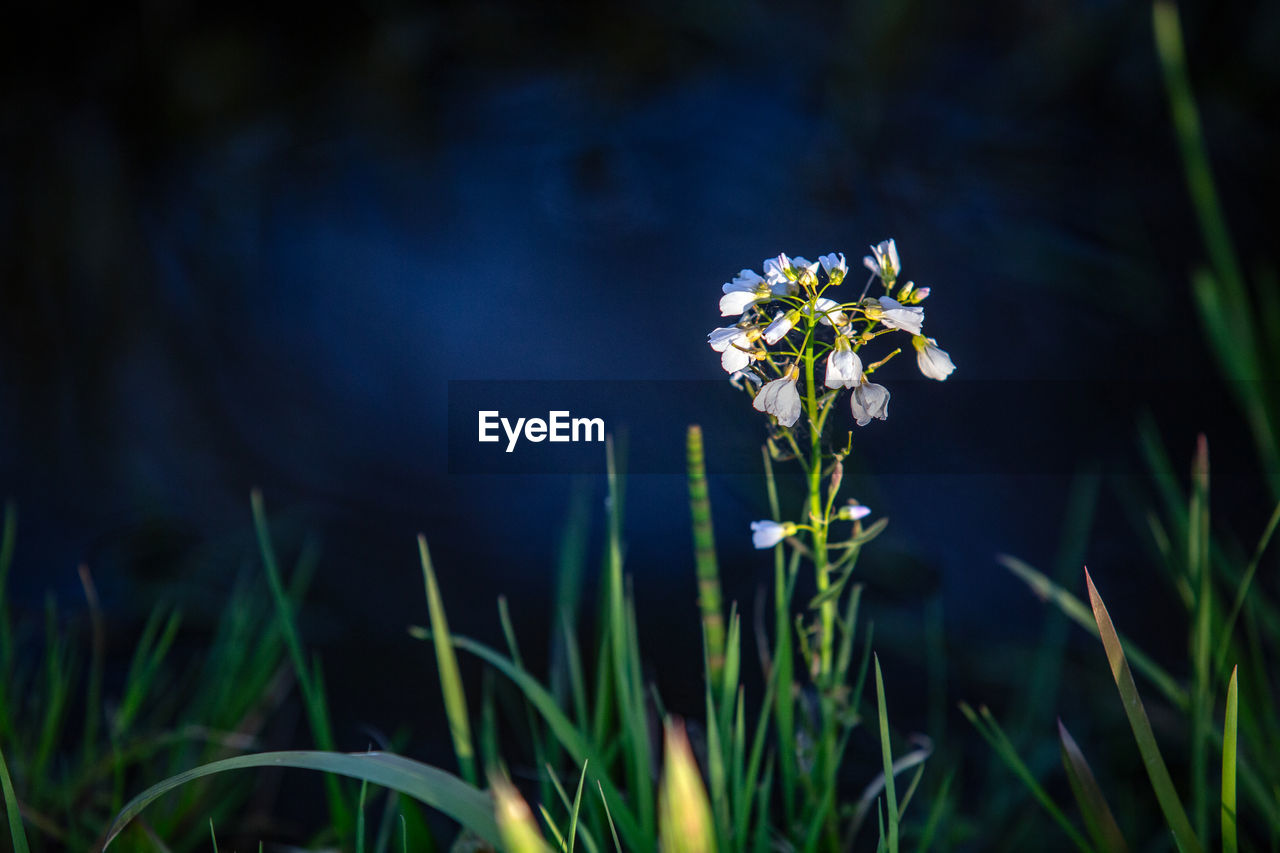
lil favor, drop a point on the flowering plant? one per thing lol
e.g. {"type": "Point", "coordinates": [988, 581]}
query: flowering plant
{"type": "Point", "coordinates": [794, 349]}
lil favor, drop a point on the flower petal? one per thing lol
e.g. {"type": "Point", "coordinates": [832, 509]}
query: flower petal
{"type": "Point", "coordinates": [780, 399]}
{"type": "Point", "coordinates": [721, 338]}
{"type": "Point", "coordinates": [735, 302]}
{"type": "Point", "coordinates": [778, 329]}
{"type": "Point", "coordinates": [766, 534]}
{"type": "Point", "coordinates": [934, 362]}
{"type": "Point", "coordinates": [868, 401]}
{"type": "Point", "coordinates": [734, 359]}
{"type": "Point", "coordinates": [844, 369]}
{"type": "Point", "coordinates": [898, 316]}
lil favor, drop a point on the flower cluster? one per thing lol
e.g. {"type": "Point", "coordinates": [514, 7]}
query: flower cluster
{"type": "Point", "coordinates": [770, 355]}
{"type": "Point", "coordinates": [761, 352]}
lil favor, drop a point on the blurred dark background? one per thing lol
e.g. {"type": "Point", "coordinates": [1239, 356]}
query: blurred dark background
{"type": "Point", "coordinates": [248, 248]}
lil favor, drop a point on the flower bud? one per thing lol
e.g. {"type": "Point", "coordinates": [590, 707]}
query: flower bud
{"type": "Point", "coordinates": [685, 824]}
{"type": "Point", "coordinates": [853, 512]}
{"type": "Point", "coordinates": [516, 825]}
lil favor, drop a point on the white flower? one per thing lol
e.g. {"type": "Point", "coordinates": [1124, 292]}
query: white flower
{"type": "Point", "coordinates": [733, 343]}
{"type": "Point", "coordinates": [869, 401]}
{"type": "Point", "coordinates": [734, 359]}
{"type": "Point", "coordinates": [746, 289]}
{"type": "Point", "coordinates": [781, 324]}
{"type": "Point", "coordinates": [766, 534]}
{"type": "Point", "coordinates": [933, 360]}
{"type": "Point", "coordinates": [828, 311]}
{"type": "Point", "coordinates": [853, 512]}
{"type": "Point", "coordinates": [783, 270]}
{"type": "Point", "coordinates": [895, 315]}
{"type": "Point", "coordinates": [835, 266]}
{"type": "Point", "coordinates": [885, 262]}
{"type": "Point", "coordinates": [844, 368]}
{"type": "Point", "coordinates": [742, 378]}
{"type": "Point", "coordinates": [780, 398]}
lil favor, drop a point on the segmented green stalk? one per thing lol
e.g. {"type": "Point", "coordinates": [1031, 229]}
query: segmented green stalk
{"type": "Point", "coordinates": [704, 556]}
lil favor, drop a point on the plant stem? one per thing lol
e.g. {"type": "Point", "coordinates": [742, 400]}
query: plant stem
{"type": "Point", "coordinates": [818, 517]}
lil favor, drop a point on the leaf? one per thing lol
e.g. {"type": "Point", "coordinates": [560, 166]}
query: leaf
{"type": "Point", "coordinates": [685, 824]}
{"type": "Point", "coordinates": [704, 552]}
{"type": "Point", "coordinates": [1077, 612]}
{"type": "Point", "coordinates": [16, 830]}
{"type": "Point", "coordinates": [1161, 784]}
{"type": "Point", "coordinates": [1229, 844]}
{"type": "Point", "coordinates": [515, 822]}
{"type": "Point", "coordinates": [436, 788]}
{"type": "Point", "coordinates": [1098, 819]}
{"type": "Point", "coordinates": [890, 792]}
{"type": "Point", "coordinates": [455, 701]}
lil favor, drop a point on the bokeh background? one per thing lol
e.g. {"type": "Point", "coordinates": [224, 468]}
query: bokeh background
{"type": "Point", "coordinates": [248, 248]}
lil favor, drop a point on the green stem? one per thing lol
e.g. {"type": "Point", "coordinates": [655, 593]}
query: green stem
{"type": "Point", "coordinates": [704, 551]}
{"type": "Point", "coordinates": [828, 610]}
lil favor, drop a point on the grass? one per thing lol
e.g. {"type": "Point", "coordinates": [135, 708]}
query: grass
{"type": "Point", "coordinates": [771, 764]}
{"type": "Point", "coordinates": [65, 773]}
{"type": "Point", "coordinates": [592, 717]}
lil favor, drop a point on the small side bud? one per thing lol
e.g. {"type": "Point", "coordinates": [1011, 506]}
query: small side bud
{"type": "Point", "coordinates": [685, 824]}
{"type": "Point", "coordinates": [516, 825]}
{"type": "Point", "coordinates": [853, 511]}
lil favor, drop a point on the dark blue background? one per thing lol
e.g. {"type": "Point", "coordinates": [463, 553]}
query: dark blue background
{"type": "Point", "coordinates": [243, 248]}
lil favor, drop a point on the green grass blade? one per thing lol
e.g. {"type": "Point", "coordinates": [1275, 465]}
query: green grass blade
{"type": "Point", "coordinates": [17, 831]}
{"type": "Point", "coordinates": [1222, 297]}
{"type": "Point", "coordinates": [871, 793]}
{"type": "Point", "coordinates": [751, 776]}
{"type": "Point", "coordinates": [1199, 573]}
{"type": "Point", "coordinates": [148, 655]}
{"type": "Point", "coordinates": [848, 630]}
{"type": "Point", "coordinates": [574, 807]}
{"type": "Point", "coordinates": [1098, 819]}
{"type": "Point", "coordinates": [613, 830]}
{"type": "Point", "coordinates": [731, 674]}
{"type": "Point", "coordinates": [1186, 122]}
{"type": "Point", "coordinates": [783, 663]}
{"type": "Point", "coordinates": [1161, 784]}
{"type": "Point", "coordinates": [566, 666]}
{"type": "Point", "coordinates": [717, 775]}
{"type": "Point", "coordinates": [625, 674]}
{"type": "Point", "coordinates": [991, 732]}
{"type": "Point", "coordinates": [455, 700]}
{"type": "Point", "coordinates": [911, 791]}
{"type": "Point", "coordinates": [561, 844]}
{"type": "Point", "coordinates": [936, 811]}
{"type": "Point", "coordinates": [1229, 843]}
{"type": "Point", "coordinates": [97, 645]}
{"type": "Point", "coordinates": [577, 806]}
{"type": "Point", "coordinates": [577, 682]}
{"type": "Point", "coordinates": [1224, 641]}
{"type": "Point", "coordinates": [569, 736]}
{"type": "Point", "coordinates": [887, 753]}
{"type": "Point", "coordinates": [360, 803]}
{"type": "Point", "coordinates": [704, 554]}
{"type": "Point", "coordinates": [436, 788]}
{"type": "Point", "coordinates": [1080, 613]}
{"type": "Point", "coordinates": [540, 756]}
{"type": "Point", "coordinates": [312, 698]}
